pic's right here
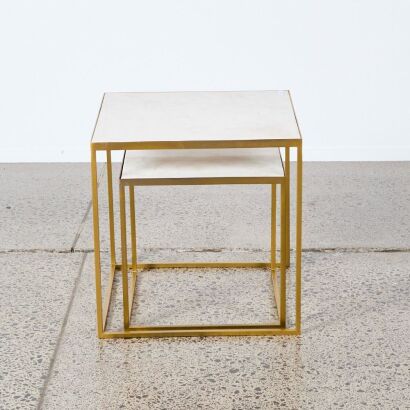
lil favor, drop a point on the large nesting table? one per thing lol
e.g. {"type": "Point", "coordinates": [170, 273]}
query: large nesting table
{"type": "Point", "coordinates": [190, 121]}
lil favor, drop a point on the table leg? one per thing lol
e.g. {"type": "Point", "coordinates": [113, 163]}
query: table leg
{"type": "Point", "coordinates": [283, 250]}
{"type": "Point", "coordinates": [96, 227]}
{"type": "Point", "coordinates": [111, 209]}
{"type": "Point", "coordinates": [274, 277]}
{"type": "Point", "coordinates": [124, 259]}
{"type": "Point", "coordinates": [273, 228]}
{"type": "Point", "coordinates": [133, 250]}
{"type": "Point", "coordinates": [299, 239]}
{"type": "Point", "coordinates": [287, 175]}
{"type": "Point", "coordinates": [133, 229]}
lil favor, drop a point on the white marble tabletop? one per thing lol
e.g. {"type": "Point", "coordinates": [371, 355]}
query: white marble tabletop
{"type": "Point", "coordinates": [195, 116]}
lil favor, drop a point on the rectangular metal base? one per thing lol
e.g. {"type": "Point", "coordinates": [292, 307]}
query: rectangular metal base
{"type": "Point", "coordinates": [199, 331]}
{"type": "Point", "coordinates": [103, 304]}
{"type": "Point", "coordinates": [261, 329]}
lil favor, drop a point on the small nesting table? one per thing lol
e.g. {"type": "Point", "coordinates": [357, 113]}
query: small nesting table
{"type": "Point", "coordinates": [246, 126]}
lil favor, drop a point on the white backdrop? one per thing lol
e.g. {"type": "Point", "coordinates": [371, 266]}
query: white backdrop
{"type": "Point", "coordinates": [347, 64]}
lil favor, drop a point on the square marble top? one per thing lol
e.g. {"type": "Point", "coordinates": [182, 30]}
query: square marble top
{"type": "Point", "coordinates": [195, 116]}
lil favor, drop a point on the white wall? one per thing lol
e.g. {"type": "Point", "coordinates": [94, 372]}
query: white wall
{"type": "Point", "coordinates": [346, 62]}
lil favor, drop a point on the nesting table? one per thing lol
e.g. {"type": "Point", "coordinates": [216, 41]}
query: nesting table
{"type": "Point", "coordinates": [192, 123]}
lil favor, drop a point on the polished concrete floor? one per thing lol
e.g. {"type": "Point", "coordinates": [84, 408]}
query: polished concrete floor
{"type": "Point", "coordinates": [354, 351]}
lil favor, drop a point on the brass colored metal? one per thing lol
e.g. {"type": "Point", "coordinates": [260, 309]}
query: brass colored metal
{"type": "Point", "coordinates": [184, 265]}
{"type": "Point", "coordinates": [206, 181]}
{"type": "Point", "coordinates": [133, 229]}
{"type": "Point", "coordinates": [282, 310]}
{"type": "Point", "coordinates": [273, 227]}
{"type": "Point", "coordinates": [196, 330]}
{"type": "Point", "coordinates": [299, 165]}
{"type": "Point", "coordinates": [96, 226]}
{"type": "Point", "coordinates": [203, 265]}
{"type": "Point", "coordinates": [274, 265]}
{"type": "Point", "coordinates": [124, 258]}
{"type": "Point", "coordinates": [299, 240]}
{"type": "Point", "coordinates": [133, 250]}
{"type": "Point", "coordinates": [200, 332]}
{"type": "Point", "coordinates": [209, 330]}
{"type": "Point", "coordinates": [208, 327]}
{"type": "Point", "coordinates": [110, 208]}
{"type": "Point", "coordinates": [103, 146]}
{"type": "Point", "coordinates": [287, 206]}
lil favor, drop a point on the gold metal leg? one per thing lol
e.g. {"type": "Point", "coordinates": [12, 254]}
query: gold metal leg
{"type": "Point", "coordinates": [287, 208]}
{"type": "Point", "coordinates": [274, 265]}
{"type": "Point", "coordinates": [282, 314]}
{"type": "Point", "coordinates": [124, 267]}
{"type": "Point", "coordinates": [133, 249]}
{"type": "Point", "coordinates": [273, 227]}
{"type": "Point", "coordinates": [111, 209]}
{"type": "Point", "coordinates": [96, 228]}
{"type": "Point", "coordinates": [299, 239]}
{"type": "Point", "coordinates": [133, 230]}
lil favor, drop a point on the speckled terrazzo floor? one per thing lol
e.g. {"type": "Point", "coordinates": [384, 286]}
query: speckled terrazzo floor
{"type": "Point", "coordinates": [354, 351]}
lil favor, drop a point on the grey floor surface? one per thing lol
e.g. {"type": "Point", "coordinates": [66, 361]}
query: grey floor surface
{"type": "Point", "coordinates": [354, 351]}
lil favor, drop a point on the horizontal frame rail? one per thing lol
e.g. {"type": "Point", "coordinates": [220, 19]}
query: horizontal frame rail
{"type": "Point", "coordinates": [204, 181]}
{"type": "Point", "coordinates": [113, 146]}
{"type": "Point", "coordinates": [201, 332]}
{"type": "Point", "coordinates": [155, 265]}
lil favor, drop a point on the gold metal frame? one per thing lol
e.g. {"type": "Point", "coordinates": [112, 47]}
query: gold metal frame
{"type": "Point", "coordinates": [102, 306]}
{"type": "Point", "coordinates": [216, 330]}
{"type": "Point", "coordinates": [195, 330]}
